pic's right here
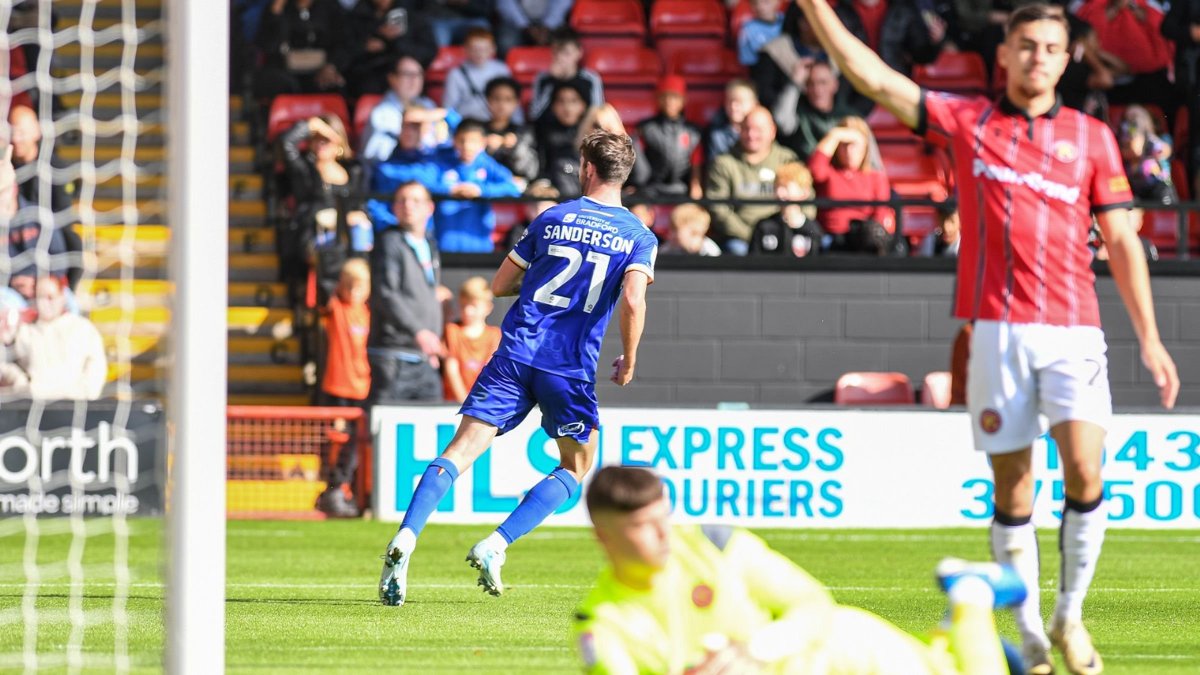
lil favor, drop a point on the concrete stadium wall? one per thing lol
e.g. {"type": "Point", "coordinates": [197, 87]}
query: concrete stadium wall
{"type": "Point", "coordinates": [782, 336]}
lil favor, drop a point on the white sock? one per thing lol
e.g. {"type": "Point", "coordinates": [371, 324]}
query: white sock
{"type": "Point", "coordinates": [1017, 545]}
{"type": "Point", "coordinates": [1080, 540]}
{"type": "Point", "coordinates": [404, 540]}
{"type": "Point", "coordinates": [496, 542]}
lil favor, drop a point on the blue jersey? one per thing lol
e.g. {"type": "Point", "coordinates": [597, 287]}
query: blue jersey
{"type": "Point", "coordinates": [575, 256]}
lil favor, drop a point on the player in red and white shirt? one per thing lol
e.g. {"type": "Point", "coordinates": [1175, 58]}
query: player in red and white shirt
{"type": "Point", "coordinates": [1031, 176]}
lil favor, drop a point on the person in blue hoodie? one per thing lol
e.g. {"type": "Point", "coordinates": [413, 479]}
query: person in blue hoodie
{"type": "Point", "coordinates": [465, 171]}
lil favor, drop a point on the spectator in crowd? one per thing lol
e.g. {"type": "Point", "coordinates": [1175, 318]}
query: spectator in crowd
{"type": "Point", "coordinates": [566, 57]}
{"type": "Point", "coordinates": [32, 250]}
{"type": "Point", "coordinates": [1130, 31]}
{"type": "Point", "coordinates": [381, 30]}
{"type": "Point", "coordinates": [726, 126]}
{"type": "Point", "coordinates": [328, 188]}
{"type": "Point", "coordinates": [466, 84]}
{"type": "Point", "coordinates": [689, 233]}
{"type": "Point", "coordinates": [60, 354]}
{"type": "Point", "coordinates": [943, 241]}
{"type": "Point", "coordinates": [471, 342]}
{"type": "Point", "coordinates": [1088, 76]}
{"type": "Point", "coordinates": [508, 142]}
{"type": "Point", "coordinates": [305, 43]}
{"type": "Point", "coordinates": [405, 345]}
{"type": "Point", "coordinates": [347, 381]}
{"type": "Point", "coordinates": [748, 172]}
{"type": "Point", "coordinates": [406, 81]}
{"type": "Point", "coordinates": [805, 112]}
{"type": "Point", "coordinates": [670, 145]}
{"type": "Point", "coordinates": [1147, 158]}
{"type": "Point", "coordinates": [910, 32]}
{"type": "Point", "coordinates": [546, 197]}
{"type": "Point", "coordinates": [648, 214]}
{"type": "Point", "coordinates": [529, 22]}
{"type": "Point", "coordinates": [765, 24]}
{"type": "Point", "coordinates": [411, 161]}
{"type": "Point", "coordinates": [1182, 26]}
{"type": "Point", "coordinates": [451, 19]}
{"type": "Point", "coordinates": [781, 60]}
{"type": "Point", "coordinates": [793, 231]}
{"type": "Point", "coordinates": [26, 147]}
{"type": "Point", "coordinates": [846, 165]}
{"type": "Point", "coordinates": [556, 131]}
{"type": "Point", "coordinates": [465, 171]}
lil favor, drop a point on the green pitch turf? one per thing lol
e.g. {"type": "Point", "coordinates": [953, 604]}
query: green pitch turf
{"type": "Point", "coordinates": [301, 596]}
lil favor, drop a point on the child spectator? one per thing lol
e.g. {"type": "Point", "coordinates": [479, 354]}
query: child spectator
{"type": "Point", "coordinates": [557, 131]}
{"type": "Point", "coordinates": [764, 25]}
{"type": "Point", "coordinates": [465, 85]}
{"type": "Point", "coordinates": [508, 142]}
{"type": "Point", "coordinates": [347, 381]}
{"type": "Point", "coordinates": [726, 126]}
{"type": "Point", "coordinates": [846, 165]}
{"type": "Point", "coordinates": [566, 55]}
{"type": "Point", "coordinates": [671, 145]}
{"type": "Point", "coordinates": [793, 231]}
{"type": "Point", "coordinates": [471, 342]}
{"type": "Point", "coordinates": [689, 232]}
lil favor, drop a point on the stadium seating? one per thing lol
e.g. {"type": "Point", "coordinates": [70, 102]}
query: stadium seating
{"type": "Point", "coordinates": [508, 215]}
{"type": "Point", "coordinates": [704, 69]}
{"type": "Point", "coordinates": [935, 390]}
{"type": "Point", "coordinates": [702, 104]}
{"type": "Point", "coordinates": [962, 72]}
{"type": "Point", "coordinates": [447, 59]}
{"type": "Point", "coordinates": [526, 62]}
{"type": "Point", "coordinates": [362, 114]}
{"type": "Point", "coordinates": [888, 129]}
{"type": "Point", "coordinates": [866, 388]}
{"type": "Point", "coordinates": [287, 109]}
{"type": "Point", "coordinates": [919, 222]}
{"type": "Point", "coordinates": [672, 19]}
{"type": "Point", "coordinates": [913, 170]}
{"type": "Point", "coordinates": [632, 106]}
{"type": "Point", "coordinates": [625, 67]}
{"type": "Point", "coordinates": [609, 23]}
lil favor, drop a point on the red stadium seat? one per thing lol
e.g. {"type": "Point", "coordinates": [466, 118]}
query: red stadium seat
{"type": "Point", "coordinates": [702, 104]}
{"type": "Point", "coordinates": [687, 18]}
{"type": "Point", "coordinates": [508, 215]}
{"type": "Point", "coordinates": [447, 59]}
{"type": "Point", "coordinates": [863, 388]}
{"type": "Point", "coordinates": [638, 67]}
{"type": "Point", "coordinates": [362, 113]}
{"type": "Point", "coordinates": [1179, 173]}
{"type": "Point", "coordinates": [919, 221]}
{"type": "Point", "coordinates": [617, 22]}
{"type": "Point", "coordinates": [912, 170]}
{"type": "Point", "coordinates": [709, 68]}
{"type": "Point", "coordinates": [526, 62]}
{"type": "Point", "coordinates": [888, 129]}
{"type": "Point", "coordinates": [935, 390]}
{"type": "Point", "coordinates": [287, 109]}
{"type": "Point", "coordinates": [954, 71]}
{"type": "Point", "coordinates": [632, 106]}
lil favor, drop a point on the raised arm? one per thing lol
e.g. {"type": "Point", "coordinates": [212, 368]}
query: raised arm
{"type": "Point", "coordinates": [863, 67]}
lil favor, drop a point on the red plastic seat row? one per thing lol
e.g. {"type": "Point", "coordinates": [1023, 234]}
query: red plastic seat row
{"type": "Point", "coordinates": [287, 109]}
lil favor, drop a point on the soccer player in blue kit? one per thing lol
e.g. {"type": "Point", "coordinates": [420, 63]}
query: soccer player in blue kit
{"type": "Point", "coordinates": [574, 264]}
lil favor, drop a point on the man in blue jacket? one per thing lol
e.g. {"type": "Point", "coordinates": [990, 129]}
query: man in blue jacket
{"type": "Point", "coordinates": [466, 172]}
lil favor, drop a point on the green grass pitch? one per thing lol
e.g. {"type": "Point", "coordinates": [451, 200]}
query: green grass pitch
{"type": "Point", "coordinates": [301, 596]}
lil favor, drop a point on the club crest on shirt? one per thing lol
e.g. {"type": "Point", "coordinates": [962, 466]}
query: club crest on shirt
{"type": "Point", "coordinates": [989, 421]}
{"type": "Point", "coordinates": [702, 596]}
{"type": "Point", "coordinates": [1065, 151]}
{"type": "Point", "coordinates": [569, 218]}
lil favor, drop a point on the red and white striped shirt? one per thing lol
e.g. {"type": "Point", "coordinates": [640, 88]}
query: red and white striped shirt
{"type": "Point", "coordinates": [1027, 189]}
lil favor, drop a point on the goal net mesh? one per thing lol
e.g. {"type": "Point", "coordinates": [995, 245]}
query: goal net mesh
{"type": "Point", "coordinates": [82, 482]}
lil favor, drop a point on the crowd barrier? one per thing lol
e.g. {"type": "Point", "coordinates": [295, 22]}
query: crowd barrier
{"type": "Point", "coordinates": [812, 468]}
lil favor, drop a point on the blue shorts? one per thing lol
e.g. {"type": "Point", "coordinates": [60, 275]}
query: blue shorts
{"type": "Point", "coordinates": [506, 391]}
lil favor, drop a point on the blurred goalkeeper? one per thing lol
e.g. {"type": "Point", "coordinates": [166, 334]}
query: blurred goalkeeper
{"type": "Point", "coordinates": [703, 600]}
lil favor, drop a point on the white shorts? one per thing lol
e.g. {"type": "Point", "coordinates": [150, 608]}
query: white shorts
{"type": "Point", "coordinates": [1020, 372]}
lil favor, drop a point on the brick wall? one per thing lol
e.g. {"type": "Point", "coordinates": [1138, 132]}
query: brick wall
{"type": "Point", "coordinates": [782, 337]}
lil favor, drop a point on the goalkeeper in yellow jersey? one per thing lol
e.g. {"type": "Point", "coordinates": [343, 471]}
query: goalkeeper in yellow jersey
{"type": "Point", "coordinates": [705, 600]}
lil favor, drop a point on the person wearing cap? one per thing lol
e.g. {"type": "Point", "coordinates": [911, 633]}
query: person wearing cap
{"type": "Point", "coordinates": [671, 145]}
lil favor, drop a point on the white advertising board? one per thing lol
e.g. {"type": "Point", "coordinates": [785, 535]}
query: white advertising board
{"type": "Point", "coordinates": [796, 468]}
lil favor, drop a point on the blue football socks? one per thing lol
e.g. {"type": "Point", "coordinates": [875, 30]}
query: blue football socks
{"type": "Point", "coordinates": [540, 502]}
{"type": "Point", "coordinates": [435, 482]}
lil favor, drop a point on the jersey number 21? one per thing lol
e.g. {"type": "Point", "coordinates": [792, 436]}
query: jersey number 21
{"type": "Point", "coordinates": [545, 294]}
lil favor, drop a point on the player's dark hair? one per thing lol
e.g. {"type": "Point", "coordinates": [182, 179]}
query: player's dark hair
{"type": "Point", "coordinates": [497, 82]}
{"type": "Point", "coordinates": [611, 154]}
{"type": "Point", "coordinates": [623, 489]}
{"type": "Point", "coordinates": [469, 125]}
{"type": "Point", "coordinates": [563, 37]}
{"type": "Point", "coordinates": [1039, 11]}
